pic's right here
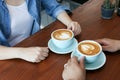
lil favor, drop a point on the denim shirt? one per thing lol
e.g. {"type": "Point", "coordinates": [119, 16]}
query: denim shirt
{"type": "Point", "coordinates": [34, 8]}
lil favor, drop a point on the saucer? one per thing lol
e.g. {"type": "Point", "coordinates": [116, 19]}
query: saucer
{"type": "Point", "coordinates": [95, 65]}
{"type": "Point", "coordinates": [57, 50]}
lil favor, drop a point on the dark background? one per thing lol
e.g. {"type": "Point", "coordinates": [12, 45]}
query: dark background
{"type": "Point", "coordinates": [80, 1]}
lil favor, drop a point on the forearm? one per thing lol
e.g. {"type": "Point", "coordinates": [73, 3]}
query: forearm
{"type": "Point", "coordinates": [73, 79]}
{"type": "Point", "coordinates": [81, 78]}
{"type": "Point", "coordinates": [118, 44]}
{"type": "Point", "coordinates": [64, 18]}
{"type": "Point", "coordinates": [8, 52]}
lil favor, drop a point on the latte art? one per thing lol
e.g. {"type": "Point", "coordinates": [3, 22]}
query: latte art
{"type": "Point", "coordinates": [89, 48]}
{"type": "Point", "coordinates": [62, 34]}
{"type": "Point", "coordinates": [62, 38]}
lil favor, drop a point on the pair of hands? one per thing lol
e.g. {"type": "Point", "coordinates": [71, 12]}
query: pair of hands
{"type": "Point", "coordinates": [36, 54]}
{"type": "Point", "coordinates": [110, 45]}
{"type": "Point", "coordinates": [74, 70]}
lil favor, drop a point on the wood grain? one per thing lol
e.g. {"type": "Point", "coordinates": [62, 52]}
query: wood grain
{"type": "Point", "coordinates": [93, 27]}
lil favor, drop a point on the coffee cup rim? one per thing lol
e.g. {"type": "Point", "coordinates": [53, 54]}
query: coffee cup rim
{"type": "Point", "coordinates": [92, 42]}
{"type": "Point", "coordinates": [62, 29]}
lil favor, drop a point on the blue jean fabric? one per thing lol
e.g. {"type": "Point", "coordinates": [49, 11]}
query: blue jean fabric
{"type": "Point", "coordinates": [34, 8]}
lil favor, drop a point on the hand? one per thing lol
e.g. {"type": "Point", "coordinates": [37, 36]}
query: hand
{"type": "Point", "coordinates": [74, 70]}
{"type": "Point", "coordinates": [75, 27]}
{"type": "Point", "coordinates": [33, 54]}
{"type": "Point", "coordinates": [109, 44]}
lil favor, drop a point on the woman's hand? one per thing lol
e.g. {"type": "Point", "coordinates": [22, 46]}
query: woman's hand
{"type": "Point", "coordinates": [72, 25]}
{"type": "Point", "coordinates": [74, 70]}
{"type": "Point", "coordinates": [33, 54]}
{"type": "Point", "coordinates": [75, 27]}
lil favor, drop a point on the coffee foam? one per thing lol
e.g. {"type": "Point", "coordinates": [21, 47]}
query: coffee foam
{"type": "Point", "coordinates": [89, 48]}
{"type": "Point", "coordinates": [62, 35]}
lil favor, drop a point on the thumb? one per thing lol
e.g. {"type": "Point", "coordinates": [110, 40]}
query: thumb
{"type": "Point", "coordinates": [69, 27]}
{"type": "Point", "coordinates": [82, 62]}
{"type": "Point", "coordinates": [74, 59]}
{"type": "Point", "coordinates": [106, 48]}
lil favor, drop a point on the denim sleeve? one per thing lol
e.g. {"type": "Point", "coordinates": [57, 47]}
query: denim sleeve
{"type": "Point", "coordinates": [53, 8]}
{"type": "Point", "coordinates": [3, 40]}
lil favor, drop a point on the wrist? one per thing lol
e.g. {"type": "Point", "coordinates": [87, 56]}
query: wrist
{"type": "Point", "coordinates": [17, 52]}
{"type": "Point", "coordinates": [9, 52]}
{"type": "Point", "coordinates": [69, 23]}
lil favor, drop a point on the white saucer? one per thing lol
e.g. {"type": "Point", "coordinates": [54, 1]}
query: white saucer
{"type": "Point", "coordinates": [57, 50]}
{"type": "Point", "coordinates": [97, 64]}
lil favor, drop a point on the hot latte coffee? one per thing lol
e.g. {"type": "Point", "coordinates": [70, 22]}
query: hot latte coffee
{"type": "Point", "coordinates": [62, 38]}
{"type": "Point", "coordinates": [88, 48]}
{"type": "Point", "coordinates": [62, 34]}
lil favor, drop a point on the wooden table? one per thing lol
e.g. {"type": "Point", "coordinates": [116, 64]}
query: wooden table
{"type": "Point", "coordinates": [93, 27]}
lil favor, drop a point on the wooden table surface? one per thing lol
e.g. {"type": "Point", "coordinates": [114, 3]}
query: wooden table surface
{"type": "Point", "coordinates": [93, 27]}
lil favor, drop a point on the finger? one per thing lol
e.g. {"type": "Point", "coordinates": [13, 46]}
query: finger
{"type": "Point", "coordinates": [44, 54]}
{"type": "Point", "coordinates": [74, 59]}
{"type": "Point", "coordinates": [69, 27]}
{"type": "Point", "coordinates": [82, 62]}
{"type": "Point", "coordinates": [75, 30]}
{"type": "Point", "coordinates": [69, 62]}
{"type": "Point", "coordinates": [65, 65]}
{"type": "Point", "coordinates": [102, 41]}
{"type": "Point", "coordinates": [79, 29]}
{"type": "Point", "coordinates": [44, 49]}
{"type": "Point", "coordinates": [73, 25]}
{"type": "Point", "coordinates": [37, 52]}
{"type": "Point", "coordinates": [42, 58]}
{"type": "Point", "coordinates": [41, 53]}
{"type": "Point", "coordinates": [106, 48]}
{"type": "Point", "coordinates": [37, 60]}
